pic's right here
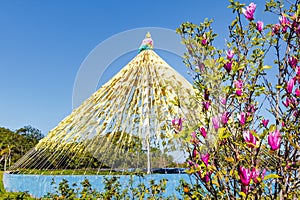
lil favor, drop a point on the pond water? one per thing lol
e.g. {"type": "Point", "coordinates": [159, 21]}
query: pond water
{"type": "Point", "coordinates": [40, 185]}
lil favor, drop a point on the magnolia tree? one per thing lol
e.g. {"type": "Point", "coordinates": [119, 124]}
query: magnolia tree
{"type": "Point", "coordinates": [237, 151]}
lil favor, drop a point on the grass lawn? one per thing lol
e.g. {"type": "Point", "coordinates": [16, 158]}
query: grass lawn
{"type": "Point", "coordinates": [2, 190]}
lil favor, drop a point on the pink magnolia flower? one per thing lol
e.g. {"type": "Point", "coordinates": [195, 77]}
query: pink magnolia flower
{"type": "Point", "coordinates": [293, 61]}
{"type": "Point", "coordinates": [203, 132]}
{"type": "Point", "coordinates": [297, 77]}
{"type": "Point", "coordinates": [298, 30]}
{"type": "Point", "coordinates": [263, 173]}
{"type": "Point", "coordinates": [274, 139]}
{"type": "Point", "coordinates": [298, 71]}
{"type": "Point", "coordinates": [225, 117]}
{"type": "Point", "coordinates": [287, 102]}
{"type": "Point", "coordinates": [238, 87]}
{"type": "Point", "coordinates": [190, 163]}
{"type": "Point", "coordinates": [177, 124]}
{"type": "Point", "coordinates": [297, 92]}
{"type": "Point", "coordinates": [206, 177]}
{"type": "Point", "coordinates": [204, 42]}
{"type": "Point", "coordinates": [227, 66]}
{"type": "Point", "coordinates": [250, 139]}
{"type": "Point", "coordinates": [275, 29]}
{"type": "Point", "coordinates": [284, 22]}
{"type": "Point", "coordinates": [290, 86]}
{"type": "Point", "coordinates": [230, 54]}
{"type": "Point", "coordinates": [245, 175]}
{"type": "Point", "coordinates": [265, 122]}
{"type": "Point", "coordinates": [206, 105]}
{"type": "Point", "coordinates": [259, 26]}
{"type": "Point", "coordinates": [249, 11]}
{"type": "Point", "coordinates": [205, 158]}
{"type": "Point", "coordinates": [194, 135]}
{"type": "Point", "coordinates": [194, 139]}
{"type": "Point", "coordinates": [195, 152]}
{"type": "Point", "coordinates": [295, 113]}
{"type": "Point", "coordinates": [215, 121]}
{"type": "Point", "coordinates": [255, 173]}
{"type": "Point", "coordinates": [289, 164]}
{"type": "Point", "coordinates": [223, 100]}
{"type": "Point", "coordinates": [242, 118]}
{"type": "Point", "coordinates": [294, 101]}
{"type": "Point", "coordinates": [251, 109]}
{"type": "Point", "coordinates": [284, 29]}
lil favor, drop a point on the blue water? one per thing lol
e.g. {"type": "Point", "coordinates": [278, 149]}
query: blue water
{"type": "Point", "coordinates": [40, 185]}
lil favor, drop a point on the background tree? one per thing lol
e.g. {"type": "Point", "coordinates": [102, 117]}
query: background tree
{"type": "Point", "coordinates": [13, 145]}
{"type": "Point", "coordinates": [30, 133]}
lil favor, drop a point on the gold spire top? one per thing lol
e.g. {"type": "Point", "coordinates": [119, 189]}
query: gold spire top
{"type": "Point", "coordinates": [147, 43]}
{"type": "Point", "coordinates": [148, 35]}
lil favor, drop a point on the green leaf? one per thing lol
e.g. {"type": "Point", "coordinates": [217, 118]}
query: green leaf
{"type": "Point", "coordinates": [267, 67]}
{"type": "Point", "coordinates": [234, 22]}
{"type": "Point", "coordinates": [223, 133]}
{"type": "Point", "coordinates": [254, 133]}
{"type": "Point", "coordinates": [272, 128]}
{"type": "Point", "coordinates": [229, 159]}
{"type": "Point", "coordinates": [215, 183]}
{"type": "Point", "coordinates": [243, 194]}
{"type": "Point", "coordinates": [263, 135]}
{"type": "Point", "coordinates": [269, 176]}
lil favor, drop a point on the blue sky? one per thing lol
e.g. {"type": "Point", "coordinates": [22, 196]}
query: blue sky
{"type": "Point", "coordinates": [43, 43]}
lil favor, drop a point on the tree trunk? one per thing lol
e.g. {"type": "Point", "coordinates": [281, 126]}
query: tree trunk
{"type": "Point", "coordinates": [5, 161]}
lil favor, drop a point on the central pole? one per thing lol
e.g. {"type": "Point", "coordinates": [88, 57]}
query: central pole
{"type": "Point", "coordinates": [148, 131]}
{"type": "Point", "coordinates": [148, 154]}
{"type": "Point", "coordinates": [149, 113]}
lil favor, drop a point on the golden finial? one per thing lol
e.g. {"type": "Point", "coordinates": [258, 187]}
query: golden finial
{"type": "Point", "coordinates": [148, 35]}
{"type": "Point", "coordinates": [147, 43]}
